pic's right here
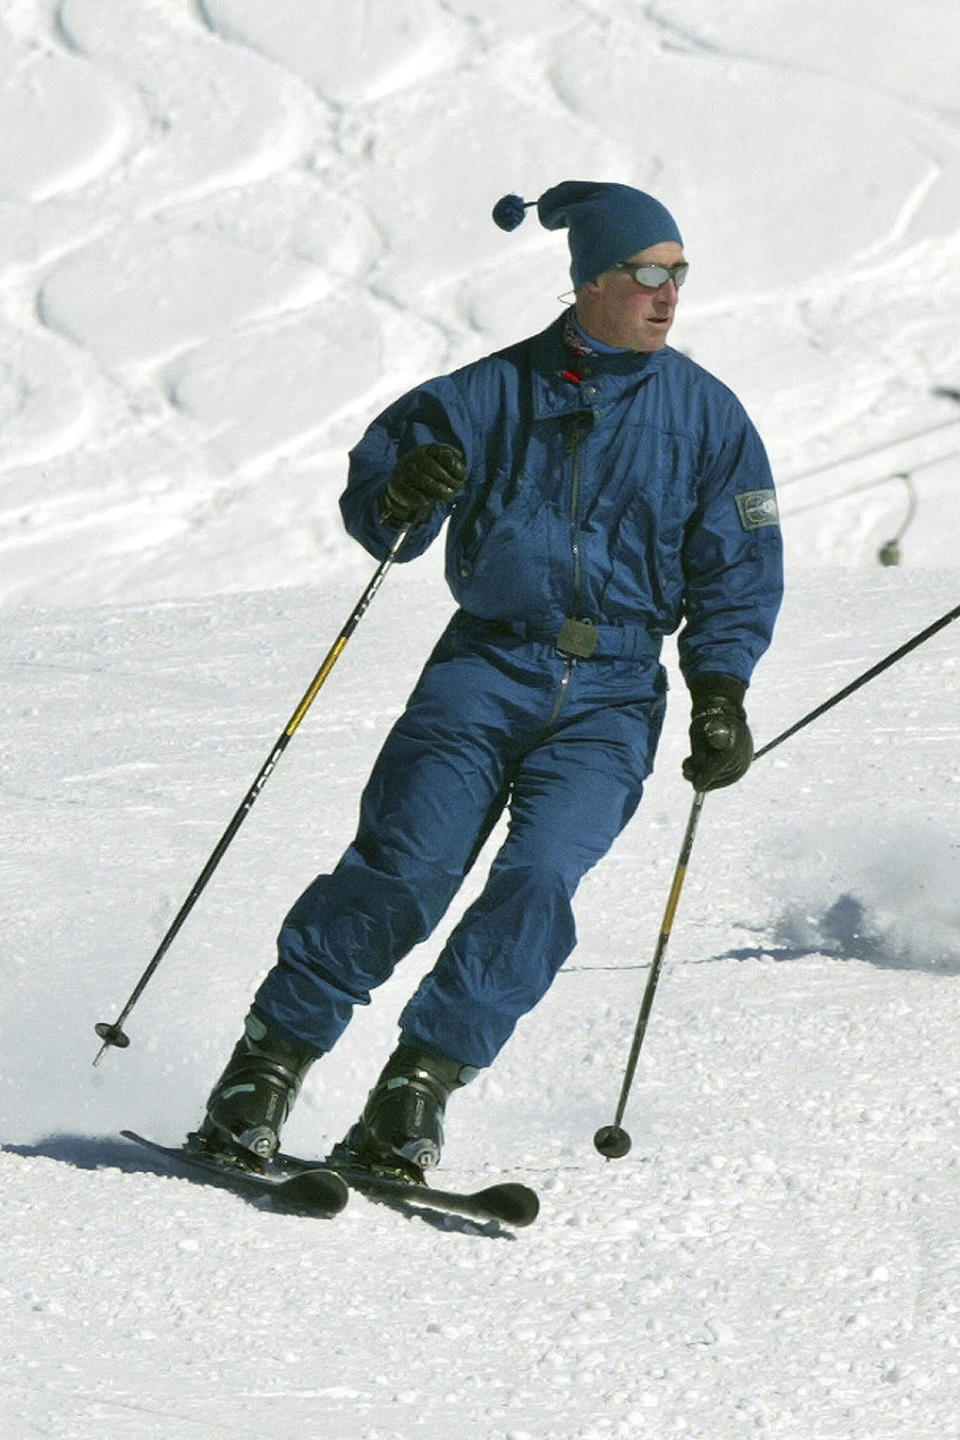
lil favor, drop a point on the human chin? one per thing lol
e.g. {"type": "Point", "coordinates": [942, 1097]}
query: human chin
{"type": "Point", "coordinates": [653, 333]}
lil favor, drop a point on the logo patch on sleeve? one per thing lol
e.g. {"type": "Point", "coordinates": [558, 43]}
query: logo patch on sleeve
{"type": "Point", "coordinates": [758, 508]}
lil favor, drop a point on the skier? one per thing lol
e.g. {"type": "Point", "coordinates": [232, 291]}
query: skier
{"type": "Point", "coordinates": [602, 491]}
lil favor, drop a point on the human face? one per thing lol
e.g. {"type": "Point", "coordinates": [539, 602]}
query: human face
{"type": "Point", "coordinates": [617, 311]}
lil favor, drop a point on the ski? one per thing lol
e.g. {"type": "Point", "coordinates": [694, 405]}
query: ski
{"type": "Point", "coordinates": [310, 1189]}
{"type": "Point", "coordinates": [318, 1187]}
{"type": "Point", "coordinates": [506, 1203]}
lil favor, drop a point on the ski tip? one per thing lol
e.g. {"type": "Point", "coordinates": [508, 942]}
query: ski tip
{"type": "Point", "coordinates": [313, 1189]}
{"type": "Point", "coordinates": [512, 1203]}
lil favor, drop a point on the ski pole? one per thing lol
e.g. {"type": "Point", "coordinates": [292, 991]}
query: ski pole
{"type": "Point", "coordinates": [613, 1141]}
{"type": "Point", "coordinates": [867, 675]}
{"type": "Point", "coordinates": [113, 1034]}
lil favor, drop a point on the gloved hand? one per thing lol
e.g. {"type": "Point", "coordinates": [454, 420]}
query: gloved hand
{"type": "Point", "coordinates": [422, 479]}
{"type": "Point", "coordinates": [721, 745]}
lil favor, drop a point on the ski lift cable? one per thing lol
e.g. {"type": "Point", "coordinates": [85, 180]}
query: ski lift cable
{"type": "Point", "coordinates": [853, 456]}
{"type": "Point", "coordinates": [866, 485]}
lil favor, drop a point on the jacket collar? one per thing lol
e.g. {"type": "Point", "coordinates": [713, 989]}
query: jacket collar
{"type": "Point", "coordinates": [565, 379]}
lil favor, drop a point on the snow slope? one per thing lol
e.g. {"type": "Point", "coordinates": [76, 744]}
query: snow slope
{"type": "Point", "coordinates": [230, 233]}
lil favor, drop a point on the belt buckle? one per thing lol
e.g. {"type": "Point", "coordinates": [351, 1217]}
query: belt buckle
{"type": "Point", "coordinates": [577, 637]}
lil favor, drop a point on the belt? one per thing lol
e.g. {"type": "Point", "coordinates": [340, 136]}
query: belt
{"type": "Point", "coordinates": [579, 638]}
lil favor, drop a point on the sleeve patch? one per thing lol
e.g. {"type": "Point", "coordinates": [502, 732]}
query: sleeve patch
{"type": "Point", "coordinates": [758, 508]}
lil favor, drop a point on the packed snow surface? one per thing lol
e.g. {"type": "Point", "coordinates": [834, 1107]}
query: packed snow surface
{"type": "Point", "coordinates": [231, 231]}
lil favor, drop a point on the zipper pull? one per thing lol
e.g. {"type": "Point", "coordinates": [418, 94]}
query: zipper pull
{"type": "Point", "coordinates": [579, 425]}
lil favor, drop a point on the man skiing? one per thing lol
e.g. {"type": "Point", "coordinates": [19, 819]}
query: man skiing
{"type": "Point", "coordinates": [602, 491]}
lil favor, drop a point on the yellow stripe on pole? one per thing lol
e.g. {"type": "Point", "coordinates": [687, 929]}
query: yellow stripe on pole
{"type": "Point", "coordinates": [673, 900]}
{"type": "Point", "coordinates": [318, 681]}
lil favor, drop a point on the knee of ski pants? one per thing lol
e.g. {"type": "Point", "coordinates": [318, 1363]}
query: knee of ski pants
{"type": "Point", "coordinates": [350, 928]}
{"type": "Point", "coordinates": [496, 966]}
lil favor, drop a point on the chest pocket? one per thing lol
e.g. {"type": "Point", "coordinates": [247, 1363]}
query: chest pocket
{"type": "Point", "coordinates": [509, 522]}
{"type": "Point", "coordinates": [643, 519]}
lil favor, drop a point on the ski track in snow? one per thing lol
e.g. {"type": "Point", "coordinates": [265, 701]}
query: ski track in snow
{"type": "Point", "coordinates": [216, 198]}
{"type": "Point", "coordinates": [231, 233]}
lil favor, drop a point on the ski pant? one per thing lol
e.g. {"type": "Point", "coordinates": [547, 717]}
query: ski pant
{"type": "Point", "coordinates": [493, 722]}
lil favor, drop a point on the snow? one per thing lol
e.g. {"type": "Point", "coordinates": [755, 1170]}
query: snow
{"type": "Point", "coordinates": [230, 233]}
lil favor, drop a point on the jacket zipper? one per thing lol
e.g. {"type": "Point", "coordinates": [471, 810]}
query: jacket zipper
{"type": "Point", "coordinates": [573, 449]}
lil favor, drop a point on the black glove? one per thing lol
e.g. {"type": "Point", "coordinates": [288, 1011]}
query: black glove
{"type": "Point", "coordinates": [720, 741]}
{"type": "Point", "coordinates": [424, 478]}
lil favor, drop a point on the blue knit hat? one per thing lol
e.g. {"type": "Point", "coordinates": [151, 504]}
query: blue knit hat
{"type": "Point", "coordinates": [607, 223]}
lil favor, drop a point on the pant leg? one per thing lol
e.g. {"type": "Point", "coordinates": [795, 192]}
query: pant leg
{"type": "Point", "coordinates": [572, 795]}
{"type": "Point", "coordinates": [435, 792]}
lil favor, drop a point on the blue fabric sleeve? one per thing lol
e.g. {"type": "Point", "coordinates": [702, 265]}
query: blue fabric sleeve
{"type": "Point", "coordinates": [733, 558]}
{"type": "Point", "coordinates": [417, 418]}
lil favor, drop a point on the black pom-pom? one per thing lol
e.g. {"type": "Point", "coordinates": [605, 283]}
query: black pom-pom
{"type": "Point", "coordinates": [510, 210]}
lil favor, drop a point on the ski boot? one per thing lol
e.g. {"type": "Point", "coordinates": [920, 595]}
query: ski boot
{"type": "Point", "coordinates": [401, 1129]}
{"type": "Point", "coordinates": [254, 1095]}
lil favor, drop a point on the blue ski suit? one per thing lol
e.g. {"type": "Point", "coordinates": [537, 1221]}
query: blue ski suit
{"type": "Point", "coordinates": [611, 499]}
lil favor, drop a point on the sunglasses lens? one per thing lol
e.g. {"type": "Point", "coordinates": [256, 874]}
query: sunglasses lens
{"type": "Point", "coordinates": [653, 276]}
